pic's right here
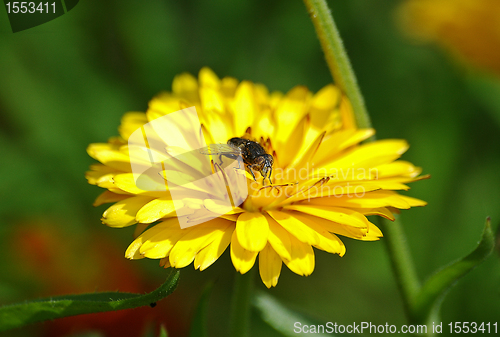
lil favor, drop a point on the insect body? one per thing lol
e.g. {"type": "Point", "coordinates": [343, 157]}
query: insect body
{"type": "Point", "coordinates": [253, 154]}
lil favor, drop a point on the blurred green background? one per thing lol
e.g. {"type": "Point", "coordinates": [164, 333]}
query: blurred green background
{"type": "Point", "coordinates": [66, 84]}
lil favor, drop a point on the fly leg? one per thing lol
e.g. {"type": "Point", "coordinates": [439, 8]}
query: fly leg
{"type": "Point", "coordinates": [253, 174]}
{"type": "Point", "coordinates": [269, 175]}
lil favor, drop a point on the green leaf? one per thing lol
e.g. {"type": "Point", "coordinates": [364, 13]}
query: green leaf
{"type": "Point", "coordinates": [199, 324]}
{"type": "Point", "coordinates": [432, 293]}
{"type": "Point", "coordinates": [18, 315]}
{"type": "Point", "coordinates": [281, 318]}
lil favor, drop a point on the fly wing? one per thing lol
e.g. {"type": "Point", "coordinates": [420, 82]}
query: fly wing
{"type": "Point", "coordinates": [220, 149]}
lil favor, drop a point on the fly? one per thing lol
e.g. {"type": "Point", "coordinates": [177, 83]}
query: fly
{"type": "Point", "coordinates": [253, 154]}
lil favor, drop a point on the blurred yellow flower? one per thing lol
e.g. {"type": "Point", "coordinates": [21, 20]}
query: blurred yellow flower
{"type": "Point", "coordinates": [469, 29]}
{"type": "Point", "coordinates": [324, 182]}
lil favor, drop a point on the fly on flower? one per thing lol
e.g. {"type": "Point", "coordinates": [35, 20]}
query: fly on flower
{"type": "Point", "coordinates": [325, 181]}
{"type": "Point", "coordinates": [253, 154]}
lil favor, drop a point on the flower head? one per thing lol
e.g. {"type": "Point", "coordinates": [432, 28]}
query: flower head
{"type": "Point", "coordinates": [324, 183]}
{"type": "Point", "coordinates": [469, 29]}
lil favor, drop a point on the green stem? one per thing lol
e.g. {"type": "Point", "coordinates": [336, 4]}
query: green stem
{"type": "Point", "coordinates": [337, 59]}
{"type": "Point", "coordinates": [240, 307]}
{"type": "Point", "coordinates": [401, 263]}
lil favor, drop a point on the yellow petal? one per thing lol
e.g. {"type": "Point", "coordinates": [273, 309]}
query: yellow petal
{"type": "Point", "coordinates": [107, 197]}
{"type": "Point", "coordinates": [243, 260]}
{"type": "Point", "coordinates": [279, 239]}
{"type": "Point", "coordinates": [370, 155]}
{"type": "Point", "coordinates": [185, 250]}
{"type": "Point", "coordinates": [374, 233]}
{"type": "Point", "coordinates": [252, 230]}
{"type": "Point", "coordinates": [275, 99]}
{"type": "Point", "coordinates": [382, 184]}
{"type": "Point", "coordinates": [269, 266]}
{"type": "Point", "coordinates": [217, 206]}
{"type": "Point", "coordinates": [293, 106]}
{"type": "Point", "coordinates": [228, 86]}
{"type": "Point", "coordinates": [398, 168]}
{"type": "Point", "coordinates": [123, 213]}
{"type": "Point", "coordinates": [336, 228]}
{"type": "Point", "coordinates": [413, 202]}
{"type": "Point", "coordinates": [157, 209]}
{"type": "Point", "coordinates": [264, 124]}
{"type": "Point", "coordinates": [295, 227]}
{"type": "Point", "coordinates": [164, 104]}
{"type": "Point", "coordinates": [220, 129]}
{"type": "Point", "coordinates": [191, 165]}
{"type": "Point", "coordinates": [402, 179]}
{"type": "Point", "coordinates": [327, 242]}
{"type": "Point", "coordinates": [302, 261]}
{"type": "Point", "coordinates": [161, 249]}
{"type": "Point", "coordinates": [109, 155]}
{"type": "Point", "coordinates": [208, 255]}
{"type": "Point", "coordinates": [133, 251]}
{"type": "Point", "coordinates": [231, 217]}
{"type": "Point", "coordinates": [211, 100]}
{"type": "Point", "coordinates": [371, 233]}
{"type": "Point", "coordinates": [327, 98]}
{"type": "Point", "coordinates": [287, 147]}
{"type": "Point", "coordinates": [186, 86]}
{"type": "Point", "coordinates": [144, 149]}
{"type": "Point", "coordinates": [208, 78]}
{"type": "Point", "coordinates": [126, 183]}
{"type": "Point", "coordinates": [339, 141]}
{"type": "Point", "coordinates": [158, 242]}
{"type": "Point", "coordinates": [324, 113]}
{"type": "Point", "coordinates": [245, 107]}
{"type": "Point", "coordinates": [130, 122]}
{"type": "Point", "coordinates": [165, 263]}
{"type": "Point", "coordinates": [101, 175]}
{"type": "Point", "coordinates": [304, 156]}
{"type": "Point", "coordinates": [373, 199]}
{"type": "Point", "coordinates": [181, 130]}
{"type": "Point", "coordinates": [334, 189]}
{"type": "Point", "coordinates": [290, 115]}
{"type": "Point", "coordinates": [343, 216]}
{"type": "Point", "coordinates": [381, 211]}
{"type": "Point", "coordinates": [347, 113]}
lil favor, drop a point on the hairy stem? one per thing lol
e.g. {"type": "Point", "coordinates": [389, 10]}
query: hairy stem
{"type": "Point", "coordinates": [337, 59]}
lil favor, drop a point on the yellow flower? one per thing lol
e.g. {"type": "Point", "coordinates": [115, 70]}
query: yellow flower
{"type": "Point", "coordinates": [469, 29]}
{"type": "Point", "coordinates": [324, 182]}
